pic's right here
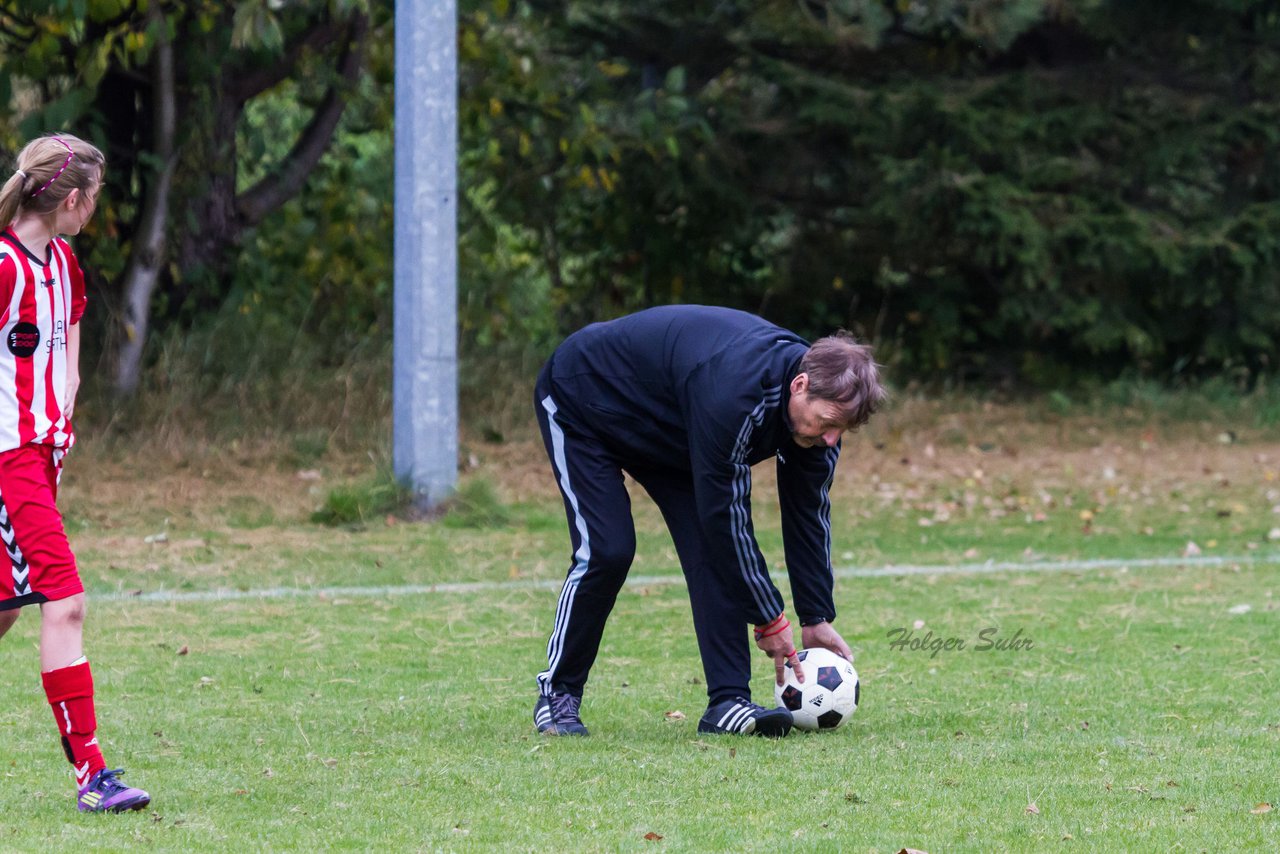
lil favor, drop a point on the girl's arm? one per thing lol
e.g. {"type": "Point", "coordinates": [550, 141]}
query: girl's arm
{"type": "Point", "coordinates": [73, 369]}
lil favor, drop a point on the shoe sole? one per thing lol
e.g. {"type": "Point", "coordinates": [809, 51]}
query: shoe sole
{"type": "Point", "coordinates": [771, 726]}
{"type": "Point", "coordinates": [136, 805]}
{"type": "Point", "coordinates": [554, 731]}
{"type": "Point", "coordinates": [127, 806]}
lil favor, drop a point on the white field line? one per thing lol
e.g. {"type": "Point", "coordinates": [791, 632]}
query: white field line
{"type": "Point", "coordinates": [447, 587]}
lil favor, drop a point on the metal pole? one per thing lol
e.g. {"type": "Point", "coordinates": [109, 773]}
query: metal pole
{"type": "Point", "coordinates": [425, 386]}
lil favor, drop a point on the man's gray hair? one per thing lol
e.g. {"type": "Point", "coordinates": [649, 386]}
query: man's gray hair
{"type": "Point", "coordinates": [843, 371]}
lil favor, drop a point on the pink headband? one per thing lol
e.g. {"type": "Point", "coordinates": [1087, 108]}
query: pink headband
{"type": "Point", "coordinates": [65, 164]}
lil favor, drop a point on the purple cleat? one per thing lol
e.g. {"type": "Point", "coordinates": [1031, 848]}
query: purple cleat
{"type": "Point", "coordinates": [107, 794]}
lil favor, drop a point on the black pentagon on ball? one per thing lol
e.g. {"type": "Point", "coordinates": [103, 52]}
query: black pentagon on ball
{"type": "Point", "coordinates": [829, 720]}
{"type": "Point", "coordinates": [829, 677]}
{"type": "Point", "coordinates": [792, 698]}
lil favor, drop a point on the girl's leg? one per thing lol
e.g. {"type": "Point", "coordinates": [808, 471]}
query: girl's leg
{"type": "Point", "coordinates": [7, 619]}
{"type": "Point", "coordinates": [61, 632]}
{"type": "Point", "coordinates": [41, 559]}
{"type": "Point", "coordinates": [68, 683]}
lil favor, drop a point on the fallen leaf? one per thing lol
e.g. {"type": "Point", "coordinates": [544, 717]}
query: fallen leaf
{"type": "Point", "coordinates": [330, 763]}
{"type": "Point", "coordinates": [1032, 809]}
{"type": "Point", "coordinates": [1239, 609]}
{"type": "Point", "coordinates": [1261, 808]}
{"type": "Point", "coordinates": [653, 837]}
{"type": "Point", "coordinates": [1191, 550]}
{"type": "Point", "coordinates": [912, 851]}
{"type": "Point", "coordinates": [183, 650]}
{"type": "Point", "coordinates": [676, 715]}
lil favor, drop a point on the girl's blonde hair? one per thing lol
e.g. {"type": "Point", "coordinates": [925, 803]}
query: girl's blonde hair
{"type": "Point", "coordinates": [48, 169]}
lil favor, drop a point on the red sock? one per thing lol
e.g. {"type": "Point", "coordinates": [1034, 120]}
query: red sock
{"type": "Point", "coordinates": [70, 693]}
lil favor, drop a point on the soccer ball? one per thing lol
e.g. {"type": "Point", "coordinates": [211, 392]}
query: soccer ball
{"type": "Point", "coordinates": [829, 694]}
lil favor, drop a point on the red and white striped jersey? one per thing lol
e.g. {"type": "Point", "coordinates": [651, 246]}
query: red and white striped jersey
{"type": "Point", "coordinates": [39, 301]}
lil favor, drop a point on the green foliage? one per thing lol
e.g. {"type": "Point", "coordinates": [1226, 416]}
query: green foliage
{"type": "Point", "coordinates": [1030, 191]}
{"type": "Point", "coordinates": [322, 267]}
{"type": "Point", "coordinates": [361, 503]}
{"type": "Point", "coordinates": [252, 75]}
{"type": "Point", "coordinates": [476, 504]}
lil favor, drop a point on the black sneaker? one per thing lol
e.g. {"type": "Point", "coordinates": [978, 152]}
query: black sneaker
{"type": "Point", "coordinates": [558, 715]}
{"type": "Point", "coordinates": [743, 717]}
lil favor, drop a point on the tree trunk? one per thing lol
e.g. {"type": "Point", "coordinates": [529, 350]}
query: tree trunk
{"type": "Point", "coordinates": [222, 214]}
{"type": "Point", "coordinates": [212, 217]}
{"type": "Point", "coordinates": [150, 243]}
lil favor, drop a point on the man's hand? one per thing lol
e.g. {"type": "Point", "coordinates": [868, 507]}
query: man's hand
{"type": "Point", "coordinates": [823, 635]}
{"type": "Point", "coordinates": [777, 641]}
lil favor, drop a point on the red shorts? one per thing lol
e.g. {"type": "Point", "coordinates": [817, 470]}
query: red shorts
{"type": "Point", "coordinates": [39, 566]}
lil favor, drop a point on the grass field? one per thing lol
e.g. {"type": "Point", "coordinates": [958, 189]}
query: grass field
{"type": "Point", "coordinates": [1144, 716]}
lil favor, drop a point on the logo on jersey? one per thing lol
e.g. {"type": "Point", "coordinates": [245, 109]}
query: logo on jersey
{"type": "Point", "coordinates": [23, 339]}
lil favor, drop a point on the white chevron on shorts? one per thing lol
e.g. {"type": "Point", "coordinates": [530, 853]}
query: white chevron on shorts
{"type": "Point", "coordinates": [21, 570]}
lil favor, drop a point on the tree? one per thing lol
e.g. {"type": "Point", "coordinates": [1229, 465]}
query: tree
{"type": "Point", "coordinates": [164, 87]}
{"type": "Point", "coordinates": [1013, 190]}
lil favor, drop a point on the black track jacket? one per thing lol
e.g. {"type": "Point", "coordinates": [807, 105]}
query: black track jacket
{"type": "Point", "coordinates": [704, 390]}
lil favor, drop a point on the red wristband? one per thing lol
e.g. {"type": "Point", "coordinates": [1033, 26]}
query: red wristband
{"type": "Point", "coordinates": [760, 630]}
{"type": "Point", "coordinates": [779, 630]}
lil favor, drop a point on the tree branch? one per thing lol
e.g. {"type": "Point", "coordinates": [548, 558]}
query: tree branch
{"type": "Point", "coordinates": [243, 83]}
{"type": "Point", "coordinates": [271, 192]}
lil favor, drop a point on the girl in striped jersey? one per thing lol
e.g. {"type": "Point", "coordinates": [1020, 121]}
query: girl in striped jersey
{"type": "Point", "coordinates": [53, 192]}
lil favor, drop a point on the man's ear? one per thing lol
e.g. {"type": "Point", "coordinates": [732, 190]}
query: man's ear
{"type": "Point", "coordinates": [800, 383]}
